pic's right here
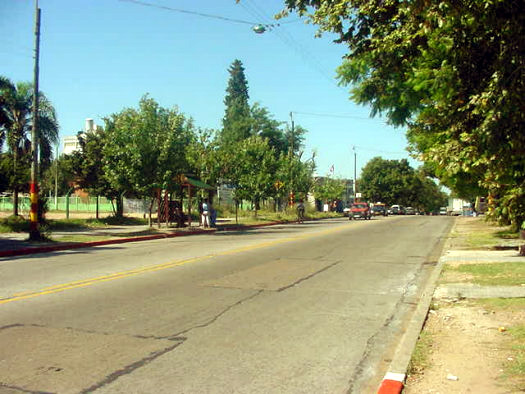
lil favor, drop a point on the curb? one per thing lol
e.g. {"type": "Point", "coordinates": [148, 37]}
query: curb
{"type": "Point", "coordinates": [70, 246]}
{"type": "Point", "coordinates": [392, 383]}
{"type": "Point", "coordinates": [394, 380]}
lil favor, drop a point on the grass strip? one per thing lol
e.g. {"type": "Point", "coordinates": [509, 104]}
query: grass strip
{"type": "Point", "coordinates": [486, 274]}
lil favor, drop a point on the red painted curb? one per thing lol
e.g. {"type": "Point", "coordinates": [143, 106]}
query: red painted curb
{"type": "Point", "coordinates": [69, 246]}
{"type": "Point", "coordinates": [392, 384]}
{"type": "Point", "coordinates": [55, 248]}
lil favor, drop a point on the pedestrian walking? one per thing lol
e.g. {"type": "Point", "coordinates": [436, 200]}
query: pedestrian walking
{"type": "Point", "coordinates": [300, 211]}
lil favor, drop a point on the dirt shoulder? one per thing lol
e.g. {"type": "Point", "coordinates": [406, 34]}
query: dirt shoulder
{"type": "Point", "coordinates": [473, 341]}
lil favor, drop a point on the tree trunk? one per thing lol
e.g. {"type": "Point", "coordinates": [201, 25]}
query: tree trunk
{"type": "Point", "coordinates": [15, 200]}
{"type": "Point", "coordinates": [120, 206]}
{"type": "Point", "coordinates": [97, 208]}
{"type": "Point", "coordinates": [150, 222]}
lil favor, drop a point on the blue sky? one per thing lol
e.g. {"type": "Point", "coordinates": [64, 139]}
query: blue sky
{"type": "Point", "coordinates": [100, 56]}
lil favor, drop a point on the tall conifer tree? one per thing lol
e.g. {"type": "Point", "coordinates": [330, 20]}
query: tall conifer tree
{"type": "Point", "coordinates": [237, 119]}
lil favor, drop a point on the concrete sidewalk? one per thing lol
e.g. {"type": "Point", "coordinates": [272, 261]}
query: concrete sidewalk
{"type": "Point", "coordinates": [393, 381]}
{"type": "Point", "coordinates": [17, 244]}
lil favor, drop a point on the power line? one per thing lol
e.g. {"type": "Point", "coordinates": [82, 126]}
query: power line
{"type": "Point", "coordinates": [381, 151]}
{"type": "Point", "coordinates": [327, 115]}
{"type": "Point", "coordinates": [196, 13]}
{"type": "Point", "coordinates": [282, 34]}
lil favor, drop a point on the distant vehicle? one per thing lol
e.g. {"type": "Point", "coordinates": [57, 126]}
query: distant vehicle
{"type": "Point", "coordinates": [410, 211]}
{"type": "Point", "coordinates": [397, 209]}
{"type": "Point", "coordinates": [360, 210]}
{"type": "Point", "coordinates": [443, 210]}
{"type": "Point", "coordinates": [379, 209]}
{"type": "Point", "coordinates": [455, 206]}
{"type": "Point", "coordinates": [480, 205]}
{"type": "Point", "coordinates": [346, 211]}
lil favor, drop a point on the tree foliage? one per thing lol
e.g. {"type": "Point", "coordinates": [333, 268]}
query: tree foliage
{"type": "Point", "coordinates": [145, 148]}
{"type": "Point", "coordinates": [16, 122]}
{"type": "Point", "coordinates": [453, 73]}
{"type": "Point", "coordinates": [254, 171]}
{"type": "Point", "coordinates": [237, 124]}
{"type": "Point", "coordinates": [329, 189]}
{"type": "Point", "coordinates": [396, 182]}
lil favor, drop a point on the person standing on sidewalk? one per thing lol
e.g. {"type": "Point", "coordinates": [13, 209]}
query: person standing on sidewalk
{"type": "Point", "coordinates": [205, 218]}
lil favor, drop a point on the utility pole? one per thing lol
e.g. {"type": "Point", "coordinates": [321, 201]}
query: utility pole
{"type": "Point", "coordinates": [291, 196]}
{"type": "Point", "coordinates": [292, 134]}
{"type": "Point", "coordinates": [355, 173]}
{"type": "Point", "coordinates": [56, 175]}
{"type": "Point", "coordinates": [34, 232]}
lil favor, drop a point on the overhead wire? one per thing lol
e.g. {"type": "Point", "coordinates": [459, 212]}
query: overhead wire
{"type": "Point", "coordinates": [282, 34]}
{"type": "Point", "coordinates": [196, 13]}
{"type": "Point", "coordinates": [347, 116]}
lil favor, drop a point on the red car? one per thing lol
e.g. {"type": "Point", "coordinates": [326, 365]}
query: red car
{"type": "Point", "coordinates": [360, 210]}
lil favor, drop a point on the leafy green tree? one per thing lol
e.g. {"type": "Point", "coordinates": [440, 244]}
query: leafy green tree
{"type": "Point", "coordinates": [145, 149]}
{"type": "Point", "coordinates": [294, 139]}
{"type": "Point", "coordinates": [329, 189]}
{"type": "Point", "coordinates": [388, 181]}
{"type": "Point", "coordinates": [206, 158]}
{"type": "Point", "coordinates": [265, 126]}
{"type": "Point", "coordinates": [16, 106]}
{"type": "Point", "coordinates": [88, 168]}
{"type": "Point", "coordinates": [61, 170]}
{"type": "Point", "coordinates": [237, 122]}
{"type": "Point", "coordinates": [431, 197]}
{"type": "Point", "coordinates": [254, 172]}
{"type": "Point", "coordinates": [450, 71]}
{"type": "Point", "coordinates": [294, 176]}
{"type": "Point", "coordinates": [396, 182]}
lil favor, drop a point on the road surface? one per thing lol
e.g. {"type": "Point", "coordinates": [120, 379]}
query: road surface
{"type": "Point", "coordinates": [303, 308]}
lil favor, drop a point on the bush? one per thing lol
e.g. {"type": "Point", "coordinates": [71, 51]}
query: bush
{"type": "Point", "coordinates": [15, 224]}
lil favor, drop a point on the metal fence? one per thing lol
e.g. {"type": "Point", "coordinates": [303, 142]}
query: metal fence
{"type": "Point", "coordinates": [76, 204]}
{"type": "Point", "coordinates": [89, 205]}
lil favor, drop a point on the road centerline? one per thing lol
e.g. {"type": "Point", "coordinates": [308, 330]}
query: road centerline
{"type": "Point", "coordinates": [158, 267]}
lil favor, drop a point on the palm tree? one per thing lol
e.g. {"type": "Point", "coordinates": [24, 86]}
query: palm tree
{"type": "Point", "coordinates": [16, 105]}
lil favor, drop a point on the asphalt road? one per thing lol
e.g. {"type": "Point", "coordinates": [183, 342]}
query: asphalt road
{"type": "Point", "coordinates": [310, 308]}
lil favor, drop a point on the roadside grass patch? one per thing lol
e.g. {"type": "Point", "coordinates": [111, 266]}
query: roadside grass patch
{"type": "Point", "coordinates": [86, 224]}
{"type": "Point", "coordinates": [81, 238]}
{"type": "Point", "coordinates": [421, 355]}
{"type": "Point", "coordinates": [489, 236]}
{"type": "Point", "coordinates": [506, 304]}
{"type": "Point", "coordinates": [515, 370]}
{"type": "Point", "coordinates": [14, 224]}
{"type": "Point", "coordinates": [486, 274]}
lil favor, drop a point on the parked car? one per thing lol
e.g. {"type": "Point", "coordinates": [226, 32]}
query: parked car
{"type": "Point", "coordinates": [346, 211]}
{"type": "Point", "coordinates": [397, 209]}
{"type": "Point", "coordinates": [410, 211]}
{"type": "Point", "coordinates": [360, 210]}
{"type": "Point", "coordinates": [379, 209]}
{"type": "Point", "coordinates": [443, 210]}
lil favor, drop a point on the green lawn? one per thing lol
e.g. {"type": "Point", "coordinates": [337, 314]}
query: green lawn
{"type": "Point", "coordinates": [487, 274]}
